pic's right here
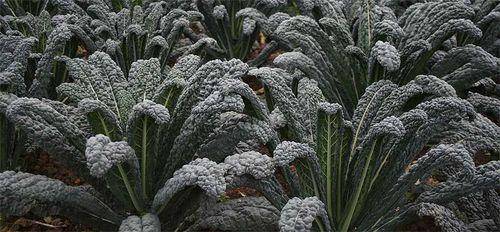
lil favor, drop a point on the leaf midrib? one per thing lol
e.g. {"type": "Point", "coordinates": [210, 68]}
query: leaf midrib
{"type": "Point", "coordinates": [144, 155]}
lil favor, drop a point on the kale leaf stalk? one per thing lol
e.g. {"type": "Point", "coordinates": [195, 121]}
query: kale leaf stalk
{"type": "Point", "coordinates": [354, 201]}
{"type": "Point", "coordinates": [123, 175]}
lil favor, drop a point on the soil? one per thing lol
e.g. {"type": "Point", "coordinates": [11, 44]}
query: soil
{"type": "Point", "coordinates": [242, 192]}
{"type": "Point", "coordinates": [49, 224]}
{"type": "Point", "coordinates": [425, 224]}
{"type": "Point", "coordinates": [43, 164]}
{"type": "Point", "coordinates": [481, 158]}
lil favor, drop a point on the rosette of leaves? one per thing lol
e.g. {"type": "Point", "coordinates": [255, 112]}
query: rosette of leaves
{"type": "Point", "coordinates": [472, 70]}
{"type": "Point", "coordinates": [335, 168]}
{"type": "Point", "coordinates": [130, 135]}
{"type": "Point", "coordinates": [158, 29]}
{"type": "Point", "coordinates": [69, 38]}
{"type": "Point", "coordinates": [38, 27]}
{"type": "Point", "coordinates": [26, 38]}
{"type": "Point", "coordinates": [60, 35]}
{"type": "Point", "coordinates": [128, 31]}
{"type": "Point", "coordinates": [236, 25]}
{"type": "Point", "coordinates": [382, 45]}
{"type": "Point", "coordinates": [325, 49]}
{"type": "Point", "coordinates": [456, 28]}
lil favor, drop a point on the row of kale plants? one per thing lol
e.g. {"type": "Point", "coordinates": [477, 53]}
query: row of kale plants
{"type": "Point", "coordinates": [343, 115]}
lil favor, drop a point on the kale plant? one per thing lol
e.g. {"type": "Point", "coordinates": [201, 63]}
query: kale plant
{"type": "Point", "coordinates": [337, 171]}
{"type": "Point", "coordinates": [59, 35]}
{"type": "Point", "coordinates": [347, 46]}
{"type": "Point", "coordinates": [129, 137]}
{"type": "Point", "coordinates": [236, 24]}
{"type": "Point", "coordinates": [153, 30]}
{"type": "Point", "coordinates": [159, 107]}
{"type": "Point", "coordinates": [127, 31]}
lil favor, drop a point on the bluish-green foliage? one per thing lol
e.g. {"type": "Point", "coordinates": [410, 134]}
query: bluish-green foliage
{"type": "Point", "coordinates": [324, 107]}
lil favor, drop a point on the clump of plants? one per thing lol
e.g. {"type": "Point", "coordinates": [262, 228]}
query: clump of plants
{"type": "Point", "coordinates": [323, 115]}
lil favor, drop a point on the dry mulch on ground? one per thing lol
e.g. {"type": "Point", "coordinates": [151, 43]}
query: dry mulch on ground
{"type": "Point", "coordinates": [49, 224]}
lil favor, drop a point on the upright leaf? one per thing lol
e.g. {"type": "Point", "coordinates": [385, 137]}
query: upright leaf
{"type": "Point", "coordinates": [333, 141]}
{"type": "Point", "coordinates": [147, 120]}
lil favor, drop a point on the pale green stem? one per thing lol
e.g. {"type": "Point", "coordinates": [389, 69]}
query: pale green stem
{"type": "Point", "coordinates": [144, 156]}
{"type": "Point", "coordinates": [320, 225]}
{"type": "Point", "coordinates": [355, 140]}
{"type": "Point", "coordinates": [377, 173]}
{"type": "Point", "coordinates": [130, 191]}
{"type": "Point", "coordinates": [167, 99]}
{"type": "Point", "coordinates": [2, 221]}
{"type": "Point", "coordinates": [329, 180]}
{"type": "Point", "coordinates": [354, 202]}
{"type": "Point", "coordinates": [124, 176]}
{"type": "Point", "coordinates": [315, 185]}
{"type": "Point", "coordinates": [339, 179]}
